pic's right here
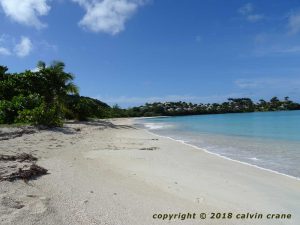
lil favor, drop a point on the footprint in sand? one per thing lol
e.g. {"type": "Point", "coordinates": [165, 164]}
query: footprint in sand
{"type": "Point", "coordinates": [9, 202]}
{"type": "Point", "coordinates": [200, 200]}
{"type": "Point", "coordinates": [32, 204]}
{"type": "Point", "coordinates": [38, 205]}
{"type": "Point", "coordinates": [149, 148]}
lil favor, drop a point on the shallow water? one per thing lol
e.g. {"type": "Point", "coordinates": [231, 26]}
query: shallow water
{"type": "Point", "coordinates": [269, 140]}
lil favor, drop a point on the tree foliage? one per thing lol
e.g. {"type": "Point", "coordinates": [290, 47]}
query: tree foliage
{"type": "Point", "coordinates": [83, 108]}
{"type": "Point", "coordinates": [233, 105]}
{"type": "Point", "coordinates": [44, 97]}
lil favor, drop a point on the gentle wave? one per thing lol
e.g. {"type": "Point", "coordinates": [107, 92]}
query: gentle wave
{"type": "Point", "coordinates": [157, 126]}
{"type": "Point", "coordinates": [224, 157]}
{"type": "Point", "coordinates": [265, 140]}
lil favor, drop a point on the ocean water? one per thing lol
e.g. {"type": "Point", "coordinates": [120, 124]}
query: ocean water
{"type": "Point", "coordinates": [269, 140]}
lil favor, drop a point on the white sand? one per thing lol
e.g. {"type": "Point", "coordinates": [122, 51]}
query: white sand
{"type": "Point", "coordinates": [100, 175]}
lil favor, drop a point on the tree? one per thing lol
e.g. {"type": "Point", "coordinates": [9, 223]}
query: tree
{"type": "Point", "coordinates": [274, 104]}
{"type": "Point", "coordinates": [84, 108]}
{"type": "Point", "coordinates": [58, 83]}
{"type": "Point", "coordinates": [35, 97]}
{"type": "Point", "coordinates": [262, 105]}
{"type": "Point", "coordinates": [3, 70]}
{"type": "Point", "coordinates": [241, 104]}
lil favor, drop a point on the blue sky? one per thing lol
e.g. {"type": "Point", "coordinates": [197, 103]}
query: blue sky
{"type": "Point", "coordinates": [134, 51]}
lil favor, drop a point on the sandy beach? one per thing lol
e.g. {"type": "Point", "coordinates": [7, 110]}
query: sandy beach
{"type": "Point", "coordinates": [111, 173]}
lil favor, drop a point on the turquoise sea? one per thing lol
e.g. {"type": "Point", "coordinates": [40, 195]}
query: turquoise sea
{"type": "Point", "coordinates": [270, 140]}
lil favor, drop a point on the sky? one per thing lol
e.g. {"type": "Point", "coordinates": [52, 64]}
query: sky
{"type": "Point", "coordinates": [129, 52]}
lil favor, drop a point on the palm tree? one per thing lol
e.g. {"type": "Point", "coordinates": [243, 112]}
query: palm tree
{"type": "Point", "coordinates": [55, 85]}
{"type": "Point", "coordinates": [3, 70]}
{"type": "Point", "coordinates": [274, 103]}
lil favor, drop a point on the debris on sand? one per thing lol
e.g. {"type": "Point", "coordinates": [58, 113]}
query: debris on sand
{"type": "Point", "coordinates": [19, 157]}
{"type": "Point", "coordinates": [10, 133]}
{"type": "Point", "coordinates": [11, 203]}
{"type": "Point", "coordinates": [26, 173]}
{"type": "Point", "coordinates": [22, 166]}
{"type": "Point", "coordinates": [150, 148]}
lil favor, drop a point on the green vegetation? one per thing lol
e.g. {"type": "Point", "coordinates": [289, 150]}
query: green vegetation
{"type": "Point", "coordinates": [233, 105]}
{"type": "Point", "coordinates": [81, 108]}
{"type": "Point", "coordinates": [44, 97]}
{"type": "Point", "coordinates": [48, 95]}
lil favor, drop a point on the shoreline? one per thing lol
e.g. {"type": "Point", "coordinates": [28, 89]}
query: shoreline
{"type": "Point", "coordinates": [224, 157]}
{"type": "Point", "coordinates": [110, 173]}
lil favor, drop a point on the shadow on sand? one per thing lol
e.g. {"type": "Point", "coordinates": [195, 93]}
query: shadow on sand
{"type": "Point", "coordinates": [101, 124]}
{"type": "Point", "coordinates": [7, 133]}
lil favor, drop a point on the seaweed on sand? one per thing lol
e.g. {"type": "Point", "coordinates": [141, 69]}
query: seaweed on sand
{"type": "Point", "coordinates": [20, 157]}
{"type": "Point", "coordinates": [23, 167]}
{"type": "Point", "coordinates": [26, 174]}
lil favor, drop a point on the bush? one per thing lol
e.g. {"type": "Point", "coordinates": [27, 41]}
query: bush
{"type": "Point", "coordinates": [81, 108]}
{"type": "Point", "coordinates": [10, 110]}
{"type": "Point", "coordinates": [41, 115]}
{"type": "Point", "coordinates": [7, 113]}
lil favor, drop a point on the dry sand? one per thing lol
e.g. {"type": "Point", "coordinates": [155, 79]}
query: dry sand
{"type": "Point", "coordinates": [114, 174]}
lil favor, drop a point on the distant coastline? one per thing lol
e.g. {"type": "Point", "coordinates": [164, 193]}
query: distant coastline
{"type": "Point", "coordinates": [233, 105]}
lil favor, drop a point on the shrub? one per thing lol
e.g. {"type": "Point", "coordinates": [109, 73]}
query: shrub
{"type": "Point", "coordinates": [41, 115]}
{"type": "Point", "coordinates": [7, 113]}
{"type": "Point", "coordinates": [82, 108]}
{"type": "Point", "coordinates": [10, 110]}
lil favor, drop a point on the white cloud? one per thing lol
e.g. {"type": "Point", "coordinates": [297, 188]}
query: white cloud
{"type": "Point", "coordinates": [270, 83]}
{"type": "Point", "coordinates": [26, 12]}
{"type": "Point", "coordinates": [248, 83]}
{"type": "Point", "coordinates": [293, 49]}
{"type": "Point", "coordinates": [268, 87]}
{"type": "Point", "coordinates": [198, 38]}
{"type": "Point", "coordinates": [23, 48]}
{"type": "Point", "coordinates": [255, 17]}
{"type": "Point", "coordinates": [35, 70]}
{"type": "Point", "coordinates": [277, 50]}
{"type": "Point", "coordinates": [3, 38]}
{"type": "Point", "coordinates": [4, 51]}
{"type": "Point", "coordinates": [108, 16]}
{"type": "Point", "coordinates": [294, 23]}
{"type": "Point", "coordinates": [5, 45]}
{"type": "Point", "coordinates": [260, 38]}
{"type": "Point", "coordinates": [46, 46]}
{"type": "Point", "coordinates": [247, 11]}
